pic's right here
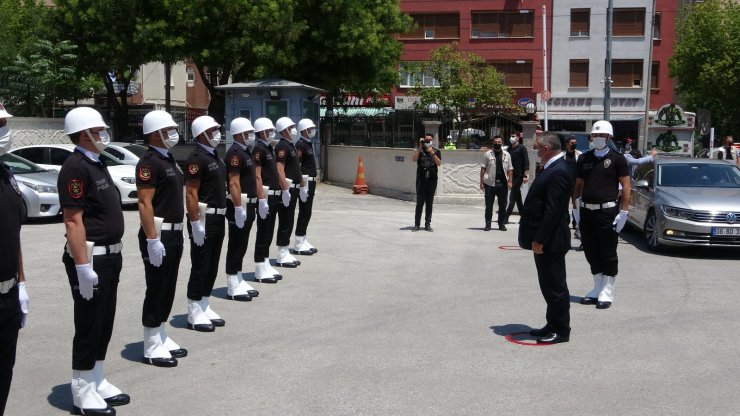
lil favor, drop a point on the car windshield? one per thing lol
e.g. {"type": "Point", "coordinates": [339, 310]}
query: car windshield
{"type": "Point", "coordinates": [699, 175]}
{"type": "Point", "coordinates": [18, 165]}
{"type": "Point", "coordinates": [110, 160]}
{"type": "Point", "coordinates": [136, 149]}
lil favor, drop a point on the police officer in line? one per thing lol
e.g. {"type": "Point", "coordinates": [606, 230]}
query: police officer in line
{"type": "Point", "coordinates": [428, 159]}
{"type": "Point", "coordinates": [599, 173]}
{"type": "Point", "coordinates": [291, 183]}
{"type": "Point", "coordinates": [92, 258]}
{"type": "Point", "coordinates": [571, 155]}
{"type": "Point", "coordinates": [304, 151]}
{"type": "Point", "coordinates": [241, 209]}
{"type": "Point", "coordinates": [205, 190]}
{"type": "Point", "coordinates": [268, 194]}
{"type": "Point", "coordinates": [13, 294]}
{"type": "Point", "coordinates": [520, 163]}
{"type": "Point", "coordinates": [159, 184]}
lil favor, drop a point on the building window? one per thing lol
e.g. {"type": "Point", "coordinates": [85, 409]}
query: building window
{"type": "Point", "coordinates": [435, 26]}
{"type": "Point", "coordinates": [274, 109]}
{"type": "Point", "coordinates": [655, 76]}
{"type": "Point", "coordinates": [629, 22]}
{"type": "Point", "coordinates": [578, 73]}
{"type": "Point", "coordinates": [409, 79]}
{"type": "Point", "coordinates": [580, 22]}
{"type": "Point", "coordinates": [518, 24]}
{"type": "Point", "coordinates": [626, 73]}
{"type": "Point", "coordinates": [656, 26]}
{"type": "Point", "coordinates": [246, 113]}
{"type": "Point", "coordinates": [517, 74]}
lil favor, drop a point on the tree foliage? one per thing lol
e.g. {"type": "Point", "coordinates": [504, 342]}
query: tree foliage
{"type": "Point", "coordinates": [706, 61]}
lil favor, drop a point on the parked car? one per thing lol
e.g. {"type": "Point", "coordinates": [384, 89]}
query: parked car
{"type": "Point", "coordinates": [51, 156]}
{"type": "Point", "coordinates": [38, 187]}
{"type": "Point", "coordinates": [686, 202]}
{"type": "Point", "coordinates": [126, 153]}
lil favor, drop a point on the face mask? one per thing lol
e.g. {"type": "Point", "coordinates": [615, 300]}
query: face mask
{"type": "Point", "coordinates": [496, 147]}
{"type": "Point", "coordinates": [5, 140]}
{"type": "Point", "coordinates": [271, 137]}
{"type": "Point", "coordinates": [250, 138]}
{"type": "Point", "coordinates": [173, 137]}
{"type": "Point", "coordinates": [513, 140]}
{"type": "Point", "coordinates": [215, 138]}
{"type": "Point", "coordinates": [104, 139]}
{"type": "Point", "coordinates": [427, 144]}
{"type": "Point", "coordinates": [311, 133]}
{"type": "Point", "coordinates": [599, 142]}
{"type": "Point", "coordinates": [572, 147]}
{"type": "Point", "coordinates": [293, 133]}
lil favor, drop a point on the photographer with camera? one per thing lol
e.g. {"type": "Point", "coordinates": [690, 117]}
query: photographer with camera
{"type": "Point", "coordinates": [427, 159]}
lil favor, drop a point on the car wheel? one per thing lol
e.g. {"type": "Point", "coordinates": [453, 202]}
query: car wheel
{"type": "Point", "coordinates": [650, 232]}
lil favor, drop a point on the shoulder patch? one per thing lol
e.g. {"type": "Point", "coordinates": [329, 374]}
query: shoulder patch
{"type": "Point", "coordinates": [74, 186]}
{"type": "Point", "coordinates": [145, 173]}
{"type": "Point", "coordinates": [193, 168]}
{"type": "Point", "coordinates": [257, 156]}
{"type": "Point", "coordinates": [281, 153]}
{"type": "Point", "coordinates": [234, 161]}
{"type": "Point", "coordinates": [299, 152]}
{"type": "Point", "coordinates": [607, 163]}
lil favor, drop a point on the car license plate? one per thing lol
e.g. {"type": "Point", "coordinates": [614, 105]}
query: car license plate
{"type": "Point", "coordinates": [725, 231]}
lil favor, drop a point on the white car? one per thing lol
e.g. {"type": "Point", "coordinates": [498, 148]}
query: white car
{"type": "Point", "coordinates": [38, 187]}
{"type": "Point", "coordinates": [126, 153]}
{"type": "Point", "coordinates": [51, 156]}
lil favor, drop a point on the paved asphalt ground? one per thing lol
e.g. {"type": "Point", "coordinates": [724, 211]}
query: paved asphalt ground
{"type": "Point", "coordinates": [385, 321]}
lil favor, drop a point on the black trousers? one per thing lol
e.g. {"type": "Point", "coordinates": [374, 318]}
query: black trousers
{"type": "Point", "coordinates": [600, 240]}
{"type": "Point", "coordinates": [238, 238]}
{"type": "Point", "coordinates": [286, 219]}
{"type": "Point", "coordinates": [266, 230]}
{"type": "Point", "coordinates": [425, 189]}
{"type": "Point", "coordinates": [498, 192]}
{"type": "Point", "coordinates": [94, 318]}
{"type": "Point", "coordinates": [10, 323]}
{"type": "Point", "coordinates": [304, 211]}
{"type": "Point", "coordinates": [204, 259]}
{"type": "Point", "coordinates": [161, 282]}
{"type": "Point", "coordinates": [554, 288]}
{"type": "Point", "coordinates": [515, 197]}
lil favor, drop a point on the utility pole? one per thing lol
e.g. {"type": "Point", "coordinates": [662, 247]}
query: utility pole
{"type": "Point", "coordinates": [608, 66]}
{"type": "Point", "coordinates": [648, 78]}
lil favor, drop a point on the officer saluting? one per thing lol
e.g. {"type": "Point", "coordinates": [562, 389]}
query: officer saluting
{"type": "Point", "coordinates": [241, 210]}
{"type": "Point", "coordinates": [304, 150]}
{"type": "Point", "coordinates": [159, 184]}
{"type": "Point", "coordinates": [268, 190]}
{"type": "Point", "coordinates": [205, 183]}
{"type": "Point", "coordinates": [92, 258]}
{"type": "Point", "coordinates": [289, 172]}
{"type": "Point", "coordinates": [13, 295]}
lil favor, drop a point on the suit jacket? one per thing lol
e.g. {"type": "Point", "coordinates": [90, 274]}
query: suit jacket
{"type": "Point", "coordinates": [545, 217]}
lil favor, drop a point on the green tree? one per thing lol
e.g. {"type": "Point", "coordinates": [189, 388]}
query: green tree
{"type": "Point", "coordinates": [467, 88]}
{"type": "Point", "coordinates": [706, 61]}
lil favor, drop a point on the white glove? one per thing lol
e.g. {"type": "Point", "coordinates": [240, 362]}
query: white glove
{"type": "Point", "coordinates": [286, 197]}
{"type": "Point", "coordinates": [86, 280]}
{"type": "Point", "coordinates": [303, 194]}
{"type": "Point", "coordinates": [198, 232]}
{"type": "Point", "coordinates": [620, 220]}
{"type": "Point", "coordinates": [263, 208]}
{"type": "Point", "coordinates": [156, 251]}
{"type": "Point", "coordinates": [23, 298]}
{"type": "Point", "coordinates": [576, 216]}
{"type": "Point", "coordinates": [240, 216]}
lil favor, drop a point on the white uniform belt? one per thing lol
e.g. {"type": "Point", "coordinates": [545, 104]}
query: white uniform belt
{"type": "Point", "coordinates": [311, 178]}
{"type": "Point", "coordinates": [170, 226]}
{"type": "Point", "coordinates": [218, 211]}
{"type": "Point", "coordinates": [101, 250]}
{"type": "Point", "coordinates": [599, 206]}
{"type": "Point", "coordinates": [271, 192]}
{"type": "Point", "coordinates": [250, 201]}
{"type": "Point", "coordinates": [295, 185]}
{"type": "Point", "coordinates": [6, 285]}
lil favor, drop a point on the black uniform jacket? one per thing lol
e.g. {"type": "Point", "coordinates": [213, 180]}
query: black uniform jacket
{"type": "Point", "coordinates": [545, 216]}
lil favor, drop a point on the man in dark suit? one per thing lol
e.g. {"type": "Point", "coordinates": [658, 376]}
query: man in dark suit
{"type": "Point", "coordinates": [544, 230]}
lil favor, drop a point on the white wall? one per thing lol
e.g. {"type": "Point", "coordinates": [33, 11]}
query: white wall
{"type": "Point", "coordinates": [152, 81]}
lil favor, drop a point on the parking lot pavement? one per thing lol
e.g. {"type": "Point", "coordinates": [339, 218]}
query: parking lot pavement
{"type": "Point", "coordinates": [385, 321]}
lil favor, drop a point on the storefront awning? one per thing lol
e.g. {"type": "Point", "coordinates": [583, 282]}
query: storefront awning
{"type": "Point", "coordinates": [358, 111]}
{"type": "Point", "coordinates": [590, 116]}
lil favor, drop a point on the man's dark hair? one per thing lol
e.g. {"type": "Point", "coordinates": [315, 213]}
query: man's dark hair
{"type": "Point", "coordinates": [429, 134]}
{"type": "Point", "coordinates": [498, 137]}
{"type": "Point", "coordinates": [75, 137]}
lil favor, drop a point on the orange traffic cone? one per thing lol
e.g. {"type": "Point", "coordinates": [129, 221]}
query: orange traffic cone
{"type": "Point", "coordinates": [360, 187]}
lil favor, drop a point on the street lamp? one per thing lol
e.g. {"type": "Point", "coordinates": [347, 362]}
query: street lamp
{"type": "Point", "coordinates": [530, 108]}
{"type": "Point", "coordinates": [433, 108]}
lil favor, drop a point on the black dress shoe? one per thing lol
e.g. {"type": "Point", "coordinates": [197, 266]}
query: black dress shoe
{"type": "Point", "coordinates": [545, 330]}
{"type": "Point", "coordinates": [289, 265]}
{"type": "Point", "coordinates": [502, 227]}
{"type": "Point", "coordinates": [487, 227]}
{"type": "Point", "coordinates": [302, 252]}
{"type": "Point", "coordinates": [108, 411]}
{"type": "Point", "coordinates": [603, 305]}
{"type": "Point", "coordinates": [428, 228]}
{"type": "Point", "coordinates": [588, 301]}
{"type": "Point", "coordinates": [253, 293]}
{"type": "Point", "coordinates": [160, 362]}
{"type": "Point", "coordinates": [201, 327]}
{"type": "Point", "coordinates": [118, 400]}
{"type": "Point", "coordinates": [416, 228]}
{"type": "Point", "coordinates": [179, 353]}
{"type": "Point", "coordinates": [277, 276]}
{"type": "Point", "coordinates": [240, 298]}
{"type": "Point", "coordinates": [553, 338]}
{"type": "Point", "coordinates": [218, 322]}
{"type": "Point", "coordinates": [314, 250]}
{"type": "Point", "coordinates": [272, 279]}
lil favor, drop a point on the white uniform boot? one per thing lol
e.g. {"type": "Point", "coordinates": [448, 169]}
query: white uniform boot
{"type": "Point", "coordinates": [273, 271]}
{"type": "Point", "coordinates": [210, 314]}
{"type": "Point", "coordinates": [285, 259]}
{"type": "Point", "coordinates": [175, 350]}
{"type": "Point", "coordinates": [246, 286]}
{"type": "Point", "coordinates": [197, 319]}
{"type": "Point", "coordinates": [85, 397]}
{"type": "Point", "coordinates": [110, 393]}
{"type": "Point", "coordinates": [307, 246]}
{"type": "Point", "coordinates": [593, 295]}
{"type": "Point", "coordinates": [262, 273]}
{"type": "Point", "coordinates": [234, 290]}
{"type": "Point", "coordinates": [154, 351]}
{"type": "Point", "coordinates": [299, 247]}
{"type": "Point", "coordinates": [606, 297]}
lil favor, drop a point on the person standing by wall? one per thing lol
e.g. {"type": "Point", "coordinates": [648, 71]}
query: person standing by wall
{"type": "Point", "coordinates": [520, 163]}
{"type": "Point", "coordinates": [428, 160]}
{"type": "Point", "coordinates": [496, 178]}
